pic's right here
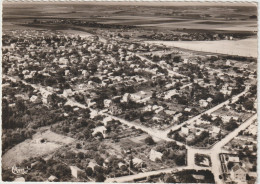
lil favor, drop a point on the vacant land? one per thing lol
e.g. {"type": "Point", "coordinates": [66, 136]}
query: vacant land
{"type": "Point", "coordinates": [231, 47]}
{"type": "Point", "coordinates": [41, 144]}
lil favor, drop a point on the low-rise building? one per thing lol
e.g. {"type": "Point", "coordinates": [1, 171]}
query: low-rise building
{"type": "Point", "coordinates": [107, 103]}
{"type": "Point", "coordinates": [203, 103]}
{"type": "Point", "coordinates": [155, 155]}
{"type": "Point", "coordinates": [75, 171]}
{"type": "Point", "coordinates": [137, 162]}
{"type": "Point", "coordinates": [185, 130]}
{"type": "Point", "coordinates": [52, 179]}
{"type": "Point", "coordinates": [238, 174]}
{"type": "Point", "coordinates": [100, 129]}
{"type": "Point", "coordinates": [122, 166]}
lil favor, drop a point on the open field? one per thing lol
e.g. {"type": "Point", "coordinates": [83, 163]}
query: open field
{"type": "Point", "coordinates": [205, 25]}
{"type": "Point", "coordinates": [163, 17]}
{"type": "Point", "coordinates": [34, 147]}
{"type": "Point", "coordinates": [232, 47]}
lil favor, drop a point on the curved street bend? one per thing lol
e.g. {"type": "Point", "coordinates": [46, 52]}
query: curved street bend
{"type": "Point", "coordinates": [212, 152]}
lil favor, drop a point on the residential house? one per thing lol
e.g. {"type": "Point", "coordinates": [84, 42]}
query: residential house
{"type": "Point", "coordinates": [190, 138]}
{"type": "Point", "coordinates": [155, 155]}
{"type": "Point", "coordinates": [185, 130]}
{"type": "Point", "coordinates": [177, 117]}
{"type": "Point", "coordinates": [107, 119]}
{"type": "Point", "coordinates": [135, 97]}
{"type": "Point", "coordinates": [229, 63]}
{"type": "Point", "coordinates": [238, 174]}
{"type": "Point", "coordinates": [198, 132]}
{"type": "Point", "coordinates": [234, 159]}
{"type": "Point", "coordinates": [137, 162]}
{"type": "Point", "coordinates": [115, 109]}
{"type": "Point", "coordinates": [92, 165]}
{"type": "Point", "coordinates": [209, 100]}
{"type": "Point", "coordinates": [126, 98]}
{"type": "Point", "coordinates": [199, 178]}
{"type": "Point", "coordinates": [107, 103]}
{"type": "Point", "coordinates": [187, 109]}
{"type": "Point", "coordinates": [67, 93]}
{"type": "Point", "coordinates": [52, 179]}
{"type": "Point", "coordinates": [185, 61]}
{"type": "Point", "coordinates": [203, 103]}
{"type": "Point", "coordinates": [122, 166]}
{"type": "Point", "coordinates": [75, 171]}
{"type": "Point", "coordinates": [215, 131]}
{"type": "Point", "coordinates": [100, 129]}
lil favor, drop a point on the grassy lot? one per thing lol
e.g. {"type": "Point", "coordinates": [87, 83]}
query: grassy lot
{"type": "Point", "coordinates": [35, 148]}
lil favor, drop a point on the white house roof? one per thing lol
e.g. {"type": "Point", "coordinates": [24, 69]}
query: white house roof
{"type": "Point", "coordinates": [233, 159]}
{"type": "Point", "coordinates": [215, 129]}
{"type": "Point", "coordinates": [137, 161]}
{"type": "Point", "coordinates": [107, 119]}
{"type": "Point", "coordinates": [100, 129]}
{"type": "Point", "coordinates": [155, 155]}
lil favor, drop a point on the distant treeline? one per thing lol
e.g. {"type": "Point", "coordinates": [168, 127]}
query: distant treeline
{"type": "Point", "coordinates": [239, 58]}
{"type": "Point", "coordinates": [82, 23]}
{"type": "Point", "coordinates": [198, 36]}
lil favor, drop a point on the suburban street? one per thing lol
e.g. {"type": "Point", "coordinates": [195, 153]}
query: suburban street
{"type": "Point", "coordinates": [169, 71]}
{"type": "Point", "coordinates": [192, 120]}
{"type": "Point", "coordinates": [129, 92]}
{"type": "Point", "coordinates": [213, 152]}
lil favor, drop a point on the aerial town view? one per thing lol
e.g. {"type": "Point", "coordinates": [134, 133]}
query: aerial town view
{"type": "Point", "coordinates": [131, 92]}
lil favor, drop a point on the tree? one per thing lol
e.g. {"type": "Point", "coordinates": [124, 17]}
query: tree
{"type": "Point", "coordinates": [231, 125]}
{"type": "Point", "coordinates": [20, 106]}
{"type": "Point", "coordinates": [61, 171]}
{"type": "Point", "coordinates": [154, 94]}
{"type": "Point", "coordinates": [100, 177]}
{"type": "Point", "coordinates": [218, 121]}
{"type": "Point", "coordinates": [89, 171]}
{"type": "Point", "coordinates": [81, 155]}
{"type": "Point", "coordinates": [66, 129]}
{"type": "Point", "coordinates": [218, 98]}
{"type": "Point", "coordinates": [206, 117]}
{"type": "Point", "coordinates": [100, 135]}
{"type": "Point", "coordinates": [149, 140]}
{"type": "Point", "coordinates": [230, 165]}
{"type": "Point", "coordinates": [169, 179]}
{"type": "Point", "coordinates": [78, 146]}
{"type": "Point", "coordinates": [248, 104]}
{"type": "Point", "coordinates": [98, 169]}
{"type": "Point", "coordinates": [180, 160]}
{"type": "Point", "coordinates": [177, 59]}
{"type": "Point", "coordinates": [99, 160]}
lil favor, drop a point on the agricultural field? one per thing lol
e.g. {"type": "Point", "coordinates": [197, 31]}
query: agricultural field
{"type": "Point", "coordinates": [114, 92]}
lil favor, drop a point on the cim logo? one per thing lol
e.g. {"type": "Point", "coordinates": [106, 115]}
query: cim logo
{"type": "Point", "coordinates": [19, 171]}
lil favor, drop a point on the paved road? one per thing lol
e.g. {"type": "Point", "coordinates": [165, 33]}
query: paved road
{"type": "Point", "coordinates": [129, 178]}
{"type": "Point", "coordinates": [216, 149]}
{"type": "Point", "coordinates": [213, 152]}
{"type": "Point", "coordinates": [234, 99]}
{"type": "Point", "coordinates": [169, 71]}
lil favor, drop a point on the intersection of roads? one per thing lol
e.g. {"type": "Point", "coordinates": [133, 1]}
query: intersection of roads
{"type": "Point", "coordinates": [213, 152]}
